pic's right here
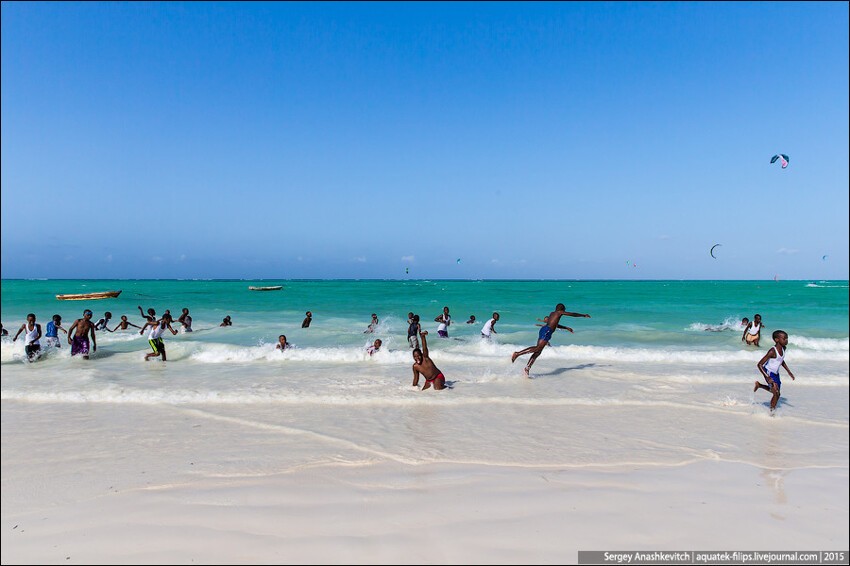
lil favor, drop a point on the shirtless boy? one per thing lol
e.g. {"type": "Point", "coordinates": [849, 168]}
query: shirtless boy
{"type": "Point", "coordinates": [123, 324]}
{"type": "Point", "coordinates": [546, 334]}
{"type": "Point", "coordinates": [424, 365]}
{"type": "Point", "coordinates": [78, 336]}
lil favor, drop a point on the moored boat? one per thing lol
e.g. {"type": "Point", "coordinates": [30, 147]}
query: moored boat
{"type": "Point", "coordinates": [272, 288]}
{"type": "Point", "coordinates": [89, 296]}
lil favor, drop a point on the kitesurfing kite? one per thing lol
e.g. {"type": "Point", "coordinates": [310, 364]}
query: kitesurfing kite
{"type": "Point", "coordinates": [458, 260]}
{"type": "Point", "coordinates": [711, 251]}
{"type": "Point", "coordinates": [824, 258]}
{"type": "Point", "coordinates": [782, 159]}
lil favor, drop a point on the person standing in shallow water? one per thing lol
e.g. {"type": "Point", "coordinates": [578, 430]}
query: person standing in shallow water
{"type": "Point", "coordinates": [308, 318]}
{"type": "Point", "coordinates": [101, 324]}
{"type": "Point", "coordinates": [124, 324]}
{"type": "Point", "coordinates": [752, 332]}
{"type": "Point", "coordinates": [445, 320]}
{"type": "Point", "coordinates": [185, 320]}
{"type": "Point", "coordinates": [546, 334]}
{"type": "Point", "coordinates": [413, 330]}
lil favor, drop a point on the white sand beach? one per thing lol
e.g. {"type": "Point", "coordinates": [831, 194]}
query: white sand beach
{"type": "Point", "coordinates": [99, 483]}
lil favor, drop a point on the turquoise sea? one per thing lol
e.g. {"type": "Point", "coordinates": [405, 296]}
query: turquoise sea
{"type": "Point", "coordinates": [635, 314]}
{"type": "Point", "coordinates": [660, 362]}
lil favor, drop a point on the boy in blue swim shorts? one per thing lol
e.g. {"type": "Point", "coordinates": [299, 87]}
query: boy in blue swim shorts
{"type": "Point", "coordinates": [551, 324]}
{"type": "Point", "coordinates": [769, 367]}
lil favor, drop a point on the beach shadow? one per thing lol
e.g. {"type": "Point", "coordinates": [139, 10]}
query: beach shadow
{"type": "Point", "coordinates": [559, 371]}
{"type": "Point", "coordinates": [102, 354]}
{"type": "Point", "coordinates": [781, 403]}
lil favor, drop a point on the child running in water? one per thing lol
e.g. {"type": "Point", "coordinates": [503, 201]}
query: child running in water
{"type": "Point", "coordinates": [546, 334]}
{"type": "Point", "coordinates": [32, 333]}
{"type": "Point", "coordinates": [81, 329]}
{"type": "Point", "coordinates": [769, 367]}
{"type": "Point", "coordinates": [155, 336]}
{"type": "Point", "coordinates": [51, 332]}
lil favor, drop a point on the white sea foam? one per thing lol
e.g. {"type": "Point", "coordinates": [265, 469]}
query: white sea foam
{"type": "Point", "coordinates": [475, 351]}
{"type": "Point", "coordinates": [729, 323]}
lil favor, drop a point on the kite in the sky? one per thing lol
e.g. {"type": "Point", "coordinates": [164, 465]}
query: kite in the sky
{"type": "Point", "coordinates": [782, 159]}
{"type": "Point", "coordinates": [824, 258]}
{"type": "Point", "coordinates": [407, 270]}
{"type": "Point", "coordinates": [711, 251]}
{"type": "Point", "coordinates": [458, 260]}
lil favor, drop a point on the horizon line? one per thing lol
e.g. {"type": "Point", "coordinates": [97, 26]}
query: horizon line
{"type": "Point", "coordinates": [386, 279]}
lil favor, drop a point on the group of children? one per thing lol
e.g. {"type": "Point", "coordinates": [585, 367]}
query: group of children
{"type": "Point", "coordinates": [78, 335]}
{"type": "Point", "coordinates": [82, 338]}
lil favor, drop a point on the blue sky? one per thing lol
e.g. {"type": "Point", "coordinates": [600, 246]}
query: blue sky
{"type": "Point", "coordinates": [359, 140]}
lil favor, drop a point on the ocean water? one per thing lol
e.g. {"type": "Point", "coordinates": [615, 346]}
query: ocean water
{"type": "Point", "coordinates": [657, 376]}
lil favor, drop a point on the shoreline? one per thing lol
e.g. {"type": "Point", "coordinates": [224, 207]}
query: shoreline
{"type": "Point", "coordinates": [78, 490]}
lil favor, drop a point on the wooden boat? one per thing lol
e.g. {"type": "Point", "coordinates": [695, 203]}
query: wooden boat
{"type": "Point", "coordinates": [89, 296]}
{"type": "Point", "coordinates": [272, 288]}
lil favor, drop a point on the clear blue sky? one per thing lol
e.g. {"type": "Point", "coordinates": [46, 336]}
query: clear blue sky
{"type": "Point", "coordinates": [348, 140]}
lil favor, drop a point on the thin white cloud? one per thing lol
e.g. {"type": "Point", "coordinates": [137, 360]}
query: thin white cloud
{"type": "Point", "coordinates": [109, 258]}
{"type": "Point", "coordinates": [359, 259]}
{"type": "Point", "coordinates": [787, 251]}
{"type": "Point", "coordinates": [409, 258]}
{"type": "Point", "coordinates": [156, 258]}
